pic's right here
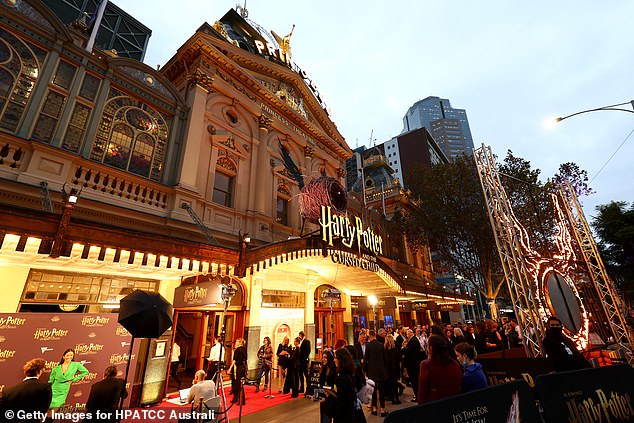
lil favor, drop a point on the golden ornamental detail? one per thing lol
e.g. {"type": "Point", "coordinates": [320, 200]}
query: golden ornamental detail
{"type": "Point", "coordinates": [265, 122]}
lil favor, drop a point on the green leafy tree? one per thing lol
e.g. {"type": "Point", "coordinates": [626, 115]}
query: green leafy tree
{"type": "Point", "coordinates": [451, 216]}
{"type": "Point", "coordinates": [614, 226]}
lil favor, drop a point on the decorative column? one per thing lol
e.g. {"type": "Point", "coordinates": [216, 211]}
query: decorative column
{"type": "Point", "coordinates": [309, 309]}
{"type": "Point", "coordinates": [199, 85]}
{"type": "Point", "coordinates": [263, 177]}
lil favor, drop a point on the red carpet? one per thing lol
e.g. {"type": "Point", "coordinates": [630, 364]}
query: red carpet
{"type": "Point", "coordinates": [168, 412]}
{"type": "Point", "coordinates": [256, 402]}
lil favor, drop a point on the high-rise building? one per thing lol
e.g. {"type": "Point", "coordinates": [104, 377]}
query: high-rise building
{"type": "Point", "coordinates": [448, 126]}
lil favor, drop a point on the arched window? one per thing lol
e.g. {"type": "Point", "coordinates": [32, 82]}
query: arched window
{"type": "Point", "coordinates": [19, 69]}
{"type": "Point", "coordinates": [131, 136]}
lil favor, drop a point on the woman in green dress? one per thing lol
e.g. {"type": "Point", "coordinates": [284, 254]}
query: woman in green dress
{"type": "Point", "coordinates": [62, 375]}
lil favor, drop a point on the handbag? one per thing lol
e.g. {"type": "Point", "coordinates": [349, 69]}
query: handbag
{"type": "Point", "coordinates": [365, 393]}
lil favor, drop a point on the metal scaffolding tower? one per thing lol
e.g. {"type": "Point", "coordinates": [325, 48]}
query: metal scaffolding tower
{"type": "Point", "coordinates": [507, 238]}
{"type": "Point", "coordinates": [521, 264]}
{"type": "Point", "coordinates": [604, 286]}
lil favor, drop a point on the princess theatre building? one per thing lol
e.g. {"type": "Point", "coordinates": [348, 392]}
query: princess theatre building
{"type": "Point", "coordinates": [116, 176]}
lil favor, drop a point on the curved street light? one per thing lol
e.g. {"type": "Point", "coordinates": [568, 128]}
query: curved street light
{"type": "Point", "coordinates": [606, 108]}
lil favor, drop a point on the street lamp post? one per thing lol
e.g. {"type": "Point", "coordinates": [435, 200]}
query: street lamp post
{"type": "Point", "coordinates": [615, 107]}
{"type": "Point", "coordinates": [333, 295]}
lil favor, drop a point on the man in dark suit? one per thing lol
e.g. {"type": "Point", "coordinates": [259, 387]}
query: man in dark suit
{"type": "Point", "coordinates": [105, 395]}
{"type": "Point", "coordinates": [400, 338]}
{"type": "Point", "coordinates": [376, 369]}
{"type": "Point", "coordinates": [30, 395]}
{"type": "Point", "coordinates": [304, 354]}
{"type": "Point", "coordinates": [412, 357]}
{"type": "Point", "coordinates": [360, 346]}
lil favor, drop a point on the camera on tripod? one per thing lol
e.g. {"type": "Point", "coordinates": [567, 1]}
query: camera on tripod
{"type": "Point", "coordinates": [227, 292]}
{"type": "Point", "coordinates": [331, 294]}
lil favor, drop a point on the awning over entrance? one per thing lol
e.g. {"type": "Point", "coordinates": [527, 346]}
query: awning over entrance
{"type": "Point", "coordinates": [353, 274]}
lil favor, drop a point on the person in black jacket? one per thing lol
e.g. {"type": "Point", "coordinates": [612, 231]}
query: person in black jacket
{"type": "Point", "coordinates": [412, 357]}
{"type": "Point", "coordinates": [560, 349]}
{"type": "Point", "coordinates": [30, 395]}
{"type": "Point", "coordinates": [304, 354]}
{"type": "Point", "coordinates": [105, 395]}
{"type": "Point", "coordinates": [340, 407]}
{"type": "Point", "coordinates": [376, 369]}
{"type": "Point", "coordinates": [393, 369]}
{"type": "Point", "coordinates": [292, 376]}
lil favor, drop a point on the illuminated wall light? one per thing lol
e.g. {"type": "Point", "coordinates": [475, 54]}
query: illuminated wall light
{"type": "Point", "coordinates": [163, 262]}
{"type": "Point", "coordinates": [76, 251]}
{"type": "Point", "coordinates": [10, 242]}
{"type": "Point", "coordinates": [93, 252]}
{"type": "Point", "coordinates": [124, 257]}
{"type": "Point", "coordinates": [32, 245]}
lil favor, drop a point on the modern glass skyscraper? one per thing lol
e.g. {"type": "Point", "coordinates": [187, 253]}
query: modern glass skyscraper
{"type": "Point", "coordinates": [448, 126]}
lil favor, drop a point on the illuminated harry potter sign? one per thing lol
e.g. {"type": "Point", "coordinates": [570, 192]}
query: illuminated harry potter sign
{"type": "Point", "coordinates": [336, 226]}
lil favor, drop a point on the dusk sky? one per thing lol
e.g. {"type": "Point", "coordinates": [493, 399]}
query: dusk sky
{"type": "Point", "coordinates": [510, 65]}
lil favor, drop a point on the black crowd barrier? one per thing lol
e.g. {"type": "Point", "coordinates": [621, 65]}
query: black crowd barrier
{"type": "Point", "coordinates": [509, 402]}
{"type": "Point", "coordinates": [597, 395]}
{"type": "Point", "coordinates": [602, 394]}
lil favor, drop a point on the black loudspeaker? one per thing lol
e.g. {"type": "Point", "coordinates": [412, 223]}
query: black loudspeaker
{"type": "Point", "coordinates": [145, 314]}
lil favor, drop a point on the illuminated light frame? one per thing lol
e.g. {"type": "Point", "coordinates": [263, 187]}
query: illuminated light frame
{"type": "Point", "coordinates": [527, 266]}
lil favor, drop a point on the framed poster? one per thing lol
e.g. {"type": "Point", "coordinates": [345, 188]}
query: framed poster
{"type": "Point", "coordinates": [159, 350]}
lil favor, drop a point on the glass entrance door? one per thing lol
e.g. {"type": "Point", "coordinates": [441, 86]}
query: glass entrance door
{"type": "Point", "coordinates": [329, 327]}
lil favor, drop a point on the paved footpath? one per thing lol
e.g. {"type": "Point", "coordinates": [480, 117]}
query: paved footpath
{"type": "Point", "coordinates": [305, 410]}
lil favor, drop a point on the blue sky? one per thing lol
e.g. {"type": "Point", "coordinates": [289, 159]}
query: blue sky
{"type": "Point", "coordinates": [511, 65]}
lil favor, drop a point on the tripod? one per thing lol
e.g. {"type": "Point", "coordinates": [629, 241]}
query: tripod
{"type": "Point", "coordinates": [270, 395]}
{"type": "Point", "coordinates": [227, 293]}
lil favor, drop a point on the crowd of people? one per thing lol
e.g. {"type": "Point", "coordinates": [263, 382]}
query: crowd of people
{"type": "Point", "coordinates": [436, 361]}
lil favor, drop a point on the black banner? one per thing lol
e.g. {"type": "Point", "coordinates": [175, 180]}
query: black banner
{"type": "Point", "coordinates": [602, 394]}
{"type": "Point", "coordinates": [510, 402]}
{"type": "Point", "coordinates": [503, 370]}
{"type": "Point", "coordinates": [313, 373]}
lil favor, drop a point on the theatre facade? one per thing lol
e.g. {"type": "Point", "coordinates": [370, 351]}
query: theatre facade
{"type": "Point", "coordinates": [116, 176]}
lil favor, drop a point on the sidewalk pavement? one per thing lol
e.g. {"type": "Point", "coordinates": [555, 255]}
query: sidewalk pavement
{"type": "Point", "coordinates": [305, 410]}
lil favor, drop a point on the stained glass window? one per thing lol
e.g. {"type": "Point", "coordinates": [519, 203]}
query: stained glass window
{"type": "Point", "coordinates": [76, 128]}
{"type": "Point", "coordinates": [47, 121]}
{"type": "Point", "coordinates": [64, 75]}
{"type": "Point", "coordinates": [89, 87]}
{"type": "Point", "coordinates": [140, 148]}
{"type": "Point", "coordinates": [118, 151]}
{"type": "Point", "coordinates": [142, 155]}
{"type": "Point", "coordinates": [19, 69]}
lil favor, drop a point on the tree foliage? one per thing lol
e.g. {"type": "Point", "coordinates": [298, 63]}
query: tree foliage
{"type": "Point", "coordinates": [450, 214]}
{"type": "Point", "coordinates": [614, 226]}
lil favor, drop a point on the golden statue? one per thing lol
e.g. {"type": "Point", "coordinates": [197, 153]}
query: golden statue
{"type": "Point", "coordinates": [284, 42]}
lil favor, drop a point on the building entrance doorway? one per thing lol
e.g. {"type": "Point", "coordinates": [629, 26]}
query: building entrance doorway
{"type": "Point", "coordinates": [195, 332]}
{"type": "Point", "coordinates": [323, 329]}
